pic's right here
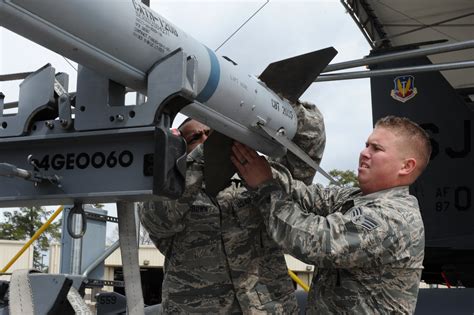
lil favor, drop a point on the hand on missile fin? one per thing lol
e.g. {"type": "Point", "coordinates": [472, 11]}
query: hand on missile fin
{"type": "Point", "coordinates": [253, 168]}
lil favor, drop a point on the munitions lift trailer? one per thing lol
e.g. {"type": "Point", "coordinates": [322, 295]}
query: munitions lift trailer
{"type": "Point", "coordinates": [88, 147]}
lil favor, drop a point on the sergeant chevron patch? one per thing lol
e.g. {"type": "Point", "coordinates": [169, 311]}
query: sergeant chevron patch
{"type": "Point", "coordinates": [359, 218]}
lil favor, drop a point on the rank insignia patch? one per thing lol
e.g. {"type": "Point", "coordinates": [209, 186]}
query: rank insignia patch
{"type": "Point", "coordinates": [359, 218]}
{"type": "Point", "coordinates": [404, 88]}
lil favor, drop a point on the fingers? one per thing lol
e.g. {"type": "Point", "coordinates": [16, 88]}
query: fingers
{"type": "Point", "coordinates": [240, 168]}
{"type": "Point", "coordinates": [175, 132]}
{"type": "Point", "coordinates": [239, 156]}
{"type": "Point", "coordinates": [252, 168]}
{"type": "Point", "coordinates": [242, 158]}
{"type": "Point", "coordinates": [244, 153]}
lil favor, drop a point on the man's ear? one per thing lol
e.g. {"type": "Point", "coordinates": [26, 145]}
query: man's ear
{"type": "Point", "coordinates": [408, 166]}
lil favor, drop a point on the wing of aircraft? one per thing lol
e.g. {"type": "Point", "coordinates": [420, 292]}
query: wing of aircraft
{"type": "Point", "coordinates": [442, 102]}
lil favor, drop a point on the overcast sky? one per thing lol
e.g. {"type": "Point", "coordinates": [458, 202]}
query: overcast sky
{"type": "Point", "coordinates": [280, 30]}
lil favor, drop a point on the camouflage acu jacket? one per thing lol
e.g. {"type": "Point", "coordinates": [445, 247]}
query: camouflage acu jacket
{"type": "Point", "coordinates": [219, 258]}
{"type": "Point", "coordinates": [368, 250]}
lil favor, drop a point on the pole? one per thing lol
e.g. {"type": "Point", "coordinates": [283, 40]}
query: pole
{"type": "Point", "coordinates": [395, 71]}
{"type": "Point", "coordinates": [37, 234]}
{"type": "Point", "coordinates": [101, 258]}
{"type": "Point", "coordinates": [400, 55]}
{"type": "Point", "coordinates": [298, 280]}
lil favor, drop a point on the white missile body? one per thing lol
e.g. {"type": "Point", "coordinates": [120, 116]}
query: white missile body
{"type": "Point", "coordinates": [123, 39]}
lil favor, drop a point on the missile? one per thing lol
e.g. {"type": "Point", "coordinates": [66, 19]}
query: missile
{"type": "Point", "coordinates": [123, 39]}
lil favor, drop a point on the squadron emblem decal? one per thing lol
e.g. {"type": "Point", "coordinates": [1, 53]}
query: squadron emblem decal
{"type": "Point", "coordinates": [404, 88]}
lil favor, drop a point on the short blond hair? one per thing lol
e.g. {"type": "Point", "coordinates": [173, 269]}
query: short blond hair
{"type": "Point", "coordinates": [417, 139]}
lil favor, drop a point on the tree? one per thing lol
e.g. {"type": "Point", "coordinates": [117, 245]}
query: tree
{"type": "Point", "coordinates": [22, 224]}
{"type": "Point", "coordinates": [347, 178]}
{"type": "Point", "coordinates": [143, 237]}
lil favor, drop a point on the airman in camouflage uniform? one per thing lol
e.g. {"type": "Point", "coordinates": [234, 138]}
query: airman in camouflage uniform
{"type": "Point", "coordinates": [367, 243]}
{"type": "Point", "coordinates": [219, 257]}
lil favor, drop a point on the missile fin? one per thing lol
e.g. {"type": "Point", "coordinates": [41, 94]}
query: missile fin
{"type": "Point", "coordinates": [291, 77]}
{"type": "Point", "coordinates": [281, 138]}
{"type": "Point", "coordinates": [218, 168]}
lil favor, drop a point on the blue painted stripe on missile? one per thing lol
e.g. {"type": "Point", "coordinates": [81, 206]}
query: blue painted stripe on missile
{"type": "Point", "coordinates": [213, 80]}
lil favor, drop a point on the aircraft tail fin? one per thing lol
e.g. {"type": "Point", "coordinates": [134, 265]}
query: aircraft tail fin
{"type": "Point", "coordinates": [445, 190]}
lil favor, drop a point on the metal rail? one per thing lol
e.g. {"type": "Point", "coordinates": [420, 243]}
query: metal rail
{"type": "Point", "coordinates": [101, 258]}
{"type": "Point", "coordinates": [395, 71]}
{"type": "Point", "coordinates": [400, 55]}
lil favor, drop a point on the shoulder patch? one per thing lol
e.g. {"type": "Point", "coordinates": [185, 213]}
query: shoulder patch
{"type": "Point", "coordinates": [358, 217]}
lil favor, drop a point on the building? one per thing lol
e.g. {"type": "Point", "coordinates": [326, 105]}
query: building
{"type": "Point", "coordinates": [8, 250]}
{"type": "Point", "coordinates": [151, 269]}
